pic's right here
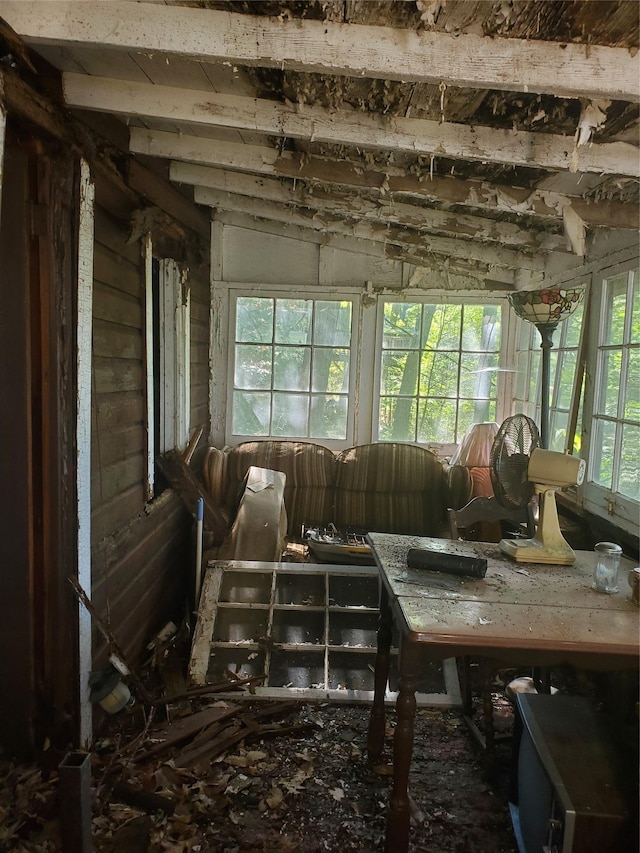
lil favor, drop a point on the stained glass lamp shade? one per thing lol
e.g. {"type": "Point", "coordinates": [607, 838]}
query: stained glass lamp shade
{"type": "Point", "coordinates": [545, 309]}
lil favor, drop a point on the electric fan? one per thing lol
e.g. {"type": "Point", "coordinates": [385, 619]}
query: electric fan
{"type": "Point", "coordinates": [519, 467]}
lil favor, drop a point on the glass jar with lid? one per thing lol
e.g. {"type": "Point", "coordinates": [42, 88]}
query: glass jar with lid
{"type": "Point", "coordinates": [605, 574]}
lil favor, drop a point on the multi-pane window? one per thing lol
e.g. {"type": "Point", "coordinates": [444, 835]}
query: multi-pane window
{"type": "Point", "coordinates": [291, 367]}
{"type": "Point", "coordinates": [438, 370]}
{"type": "Point", "coordinates": [563, 362]}
{"type": "Point", "coordinates": [615, 426]}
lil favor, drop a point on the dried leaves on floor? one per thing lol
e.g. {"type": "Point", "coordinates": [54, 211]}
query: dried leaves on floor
{"type": "Point", "coordinates": [243, 776]}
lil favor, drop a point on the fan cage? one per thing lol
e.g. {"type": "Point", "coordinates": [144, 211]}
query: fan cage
{"type": "Point", "coordinates": [513, 445]}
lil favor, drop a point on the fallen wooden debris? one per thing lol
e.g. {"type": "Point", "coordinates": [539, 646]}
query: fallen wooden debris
{"type": "Point", "coordinates": [147, 801]}
{"type": "Point", "coordinates": [218, 687]}
{"type": "Point", "coordinates": [220, 735]}
{"type": "Point", "coordinates": [186, 485]}
{"type": "Point", "coordinates": [212, 747]}
{"type": "Point", "coordinates": [172, 734]}
{"type": "Point", "coordinates": [141, 690]}
{"type": "Point", "coordinates": [193, 443]}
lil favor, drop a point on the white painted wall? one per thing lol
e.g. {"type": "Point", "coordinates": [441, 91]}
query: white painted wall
{"type": "Point", "coordinates": [250, 256]}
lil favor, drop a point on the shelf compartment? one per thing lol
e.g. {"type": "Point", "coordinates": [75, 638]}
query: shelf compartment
{"type": "Point", "coordinates": [300, 669]}
{"type": "Point", "coordinates": [307, 590]}
{"type": "Point", "coordinates": [353, 628]}
{"type": "Point", "coordinates": [319, 624]}
{"type": "Point", "coordinates": [431, 681]}
{"type": "Point", "coordinates": [244, 662]}
{"type": "Point", "coordinates": [297, 626]}
{"type": "Point", "coordinates": [240, 625]}
{"type": "Point", "coordinates": [246, 587]}
{"type": "Point", "coordinates": [354, 590]}
{"type": "Point", "coordinates": [351, 670]}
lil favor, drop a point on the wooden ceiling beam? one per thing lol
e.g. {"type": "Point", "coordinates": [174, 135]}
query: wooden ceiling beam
{"type": "Point", "coordinates": [478, 195]}
{"type": "Point", "coordinates": [343, 127]}
{"type": "Point", "coordinates": [299, 231]}
{"type": "Point", "coordinates": [349, 205]}
{"type": "Point", "coordinates": [451, 273]}
{"type": "Point", "coordinates": [489, 254]}
{"type": "Point", "coordinates": [354, 50]}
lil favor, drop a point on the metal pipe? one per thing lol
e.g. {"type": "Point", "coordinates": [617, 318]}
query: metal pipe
{"type": "Point", "coordinates": [198, 575]}
{"type": "Point", "coordinates": [546, 333]}
{"type": "Point", "coordinates": [74, 788]}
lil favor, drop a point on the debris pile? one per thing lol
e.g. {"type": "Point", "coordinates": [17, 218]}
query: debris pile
{"type": "Point", "coordinates": [216, 769]}
{"type": "Point", "coordinates": [250, 776]}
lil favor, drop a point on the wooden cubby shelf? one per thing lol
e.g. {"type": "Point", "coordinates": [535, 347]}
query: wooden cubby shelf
{"type": "Point", "coordinates": [309, 628]}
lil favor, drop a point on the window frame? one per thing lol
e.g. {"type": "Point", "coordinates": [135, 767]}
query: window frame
{"type": "Point", "coordinates": [504, 378]}
{"type": "Point", "coordinates": [167, 358]}
{"type": "Point", "coordinates": [364, 374]}
{"type": "Point", "coordinates": [595, 497]}
{"type": "Point", "coordinates": [233, 293]}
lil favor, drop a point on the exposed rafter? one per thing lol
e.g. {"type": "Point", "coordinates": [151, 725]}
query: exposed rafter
{"type": "Point", "coordinates": [449, 273]}
{"type": "Point", "coordinates": [477, 195]}
{"type": "Point", "coordinates": [446, 247]}
{"type": "Point", "coordinates": [349, 205]}
{"type": "Point", "coordinates": [355, 50]}
{"type": "Point", "coordinates": [417, 136]}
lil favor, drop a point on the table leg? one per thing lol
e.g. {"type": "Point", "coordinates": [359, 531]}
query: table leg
{"type": "Point", "coordinates": [375, 740]}
{"type": "Point", "coordinates": [486, 679]}
{"type": "Point", "coordinates": [397, 840]}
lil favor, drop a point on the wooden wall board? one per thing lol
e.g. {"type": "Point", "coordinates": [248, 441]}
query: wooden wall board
{"type": "Point", "coordinates": [348, 268]}
{"type": "Point", "coordinates": [114, 514]}
{"type": "Point", "coordinates": [199, 350]}
{"type": "Point", "coordinates": [144, 557]}
{"type": "Point", "coordinates": [114, 306]}
{"type": "Point", "coordinates": [118, 476]}
{"type": "Point", "coordinates": [122, 342]}
{"type": "Point", "coordinates": [118, 410]}
{"type": "Point", "coordinates": [114, 444]}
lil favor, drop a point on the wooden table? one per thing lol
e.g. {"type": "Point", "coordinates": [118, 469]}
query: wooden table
{"type": "Point", "coordinates": [520, 612]}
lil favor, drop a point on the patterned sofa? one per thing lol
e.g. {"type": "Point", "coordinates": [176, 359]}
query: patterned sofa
{"type": "Point", "coordinates": [389, 487]}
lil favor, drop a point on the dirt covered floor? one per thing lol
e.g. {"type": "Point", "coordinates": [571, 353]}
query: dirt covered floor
{"type": "Point", "coordinates": [296, 780]}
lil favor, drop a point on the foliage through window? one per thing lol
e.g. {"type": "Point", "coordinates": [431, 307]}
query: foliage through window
{"type": "Point", "coordinates": [291, 367]}
{"type": "Point", "coordinates": [439, 370]}
{"type": "Point", "coordinates": [615, 442]}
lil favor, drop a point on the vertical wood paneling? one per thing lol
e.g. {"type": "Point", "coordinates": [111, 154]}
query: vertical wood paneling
{"type": "Point", "coordinates": [117, 377]}
{"type": "Point", "coordinates": [139, 549]}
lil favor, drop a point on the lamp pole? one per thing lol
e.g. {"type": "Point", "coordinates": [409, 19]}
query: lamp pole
{"type": "Point", "coordinates": [546, 334]}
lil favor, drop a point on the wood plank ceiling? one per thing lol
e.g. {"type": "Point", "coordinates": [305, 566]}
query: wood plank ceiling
{"type": "Point", "coordinates": [495, 140]}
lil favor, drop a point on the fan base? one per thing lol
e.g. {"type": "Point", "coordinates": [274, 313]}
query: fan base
{"type": "Point", "coordinates": [534, 551]}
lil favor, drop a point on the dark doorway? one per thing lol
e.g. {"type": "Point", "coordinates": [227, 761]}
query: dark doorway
{"type": "Point", "coordinates": [37, 425]}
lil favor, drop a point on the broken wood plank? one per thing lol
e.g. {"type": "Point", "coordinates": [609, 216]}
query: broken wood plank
{"type": "Point", "coordinates": [217, 739]}
{"type": "Point", "coordinates": [193, 443]}
{"type": "Point", "coordinates": [213, 747]}
{"type": "Point", "coordinates": [184, 728]}
{"type": "Point", "coordinates": [220, 687]}
{"type": "Point", "coordinates": [275, 729]}
{"type": "Point", "coordinates": [108, 635]}
{"type": "Point", "coordinates": [187, 486]}
{"type": "Point", "coordinates": [207, 609]}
